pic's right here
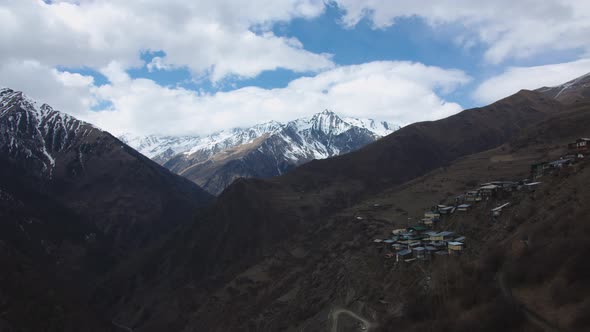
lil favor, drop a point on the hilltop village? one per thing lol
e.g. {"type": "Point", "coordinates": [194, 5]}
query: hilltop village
{"type": "Point", "coordinates": [430, 237]}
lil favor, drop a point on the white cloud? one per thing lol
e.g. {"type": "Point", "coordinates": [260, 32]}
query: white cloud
{"type": "Point", "coordinates": [510, 29]}
{"type": "Point", "coordinates": [206, 37]}
{"type": "Point", "coordinates": [516, 78]}
{"type": "Point", "coordinates": [401, 92]}
{"type": "Point", "coordinates": [70, 92]}
{"type": "Point", "coordinates": [213, 39]}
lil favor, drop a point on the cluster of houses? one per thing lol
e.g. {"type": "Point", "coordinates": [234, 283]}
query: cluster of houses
{"type": "Point", "coordinates": [485, 191]}
{"type": "Point", "coordinates": [420, 243]}
{"type": "Point", "coordinates": [577, 151]}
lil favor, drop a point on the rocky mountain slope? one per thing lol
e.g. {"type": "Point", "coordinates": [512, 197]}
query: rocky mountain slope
{"type": "Point", "coordinates": [284, 253]}
{"type": "Point", "coordinates": [74, 202]}
{"type": "Point", "coordinates": [261, 151]}
{"type": "Point", "coordinates": [576, 90]}
{"type": "Point", "coordinates": [296, 252]}
{"type": "Point", "coordinates": [90, 171]}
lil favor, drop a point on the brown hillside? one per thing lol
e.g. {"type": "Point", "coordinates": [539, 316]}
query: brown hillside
{"type": "Point", "coordinates": [282, 249]}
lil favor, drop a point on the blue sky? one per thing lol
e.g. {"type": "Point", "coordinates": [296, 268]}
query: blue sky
{"type": "Point", "coordinates": [410, 39]}
{"type": "Point", "coordinates": [189, 68]}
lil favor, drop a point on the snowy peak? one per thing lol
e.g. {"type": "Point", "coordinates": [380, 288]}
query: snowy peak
{"type": "Point", "coordinates": [320, 126]}
{"type": "Point", "coordinates": [326, 122]}
{"type": "Point", "coordinates": [35, 133]}
{"type": "Point", "coordinates": [272, 148]}
{"type": "Point", "coordinates": [329, 123]}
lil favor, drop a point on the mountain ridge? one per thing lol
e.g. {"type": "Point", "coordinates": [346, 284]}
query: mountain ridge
{"type": "Point", "coordinates": [284, 253]}
{"type": "Point", "coordinates": [573, 91]}
{"type": "Point", "coordinates": [72, 160]}
{"type": "Point", "coordinates": [162, 148]}
{"type": "Point", "coordinates": [261, 235]}
{"type": "Point", "coordinates": [266, 150]}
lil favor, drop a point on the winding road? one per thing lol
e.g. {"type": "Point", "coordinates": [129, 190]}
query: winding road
{"type": "Point", "coordinates": [335, 314]}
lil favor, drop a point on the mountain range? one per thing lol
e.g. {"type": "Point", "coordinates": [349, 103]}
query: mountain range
{"type": "Point", "coordinates": [95, 236]}
{"type": "Point", "coordinates": [291, 252]}
{"type": "Point", "coordinates": [261, 151]}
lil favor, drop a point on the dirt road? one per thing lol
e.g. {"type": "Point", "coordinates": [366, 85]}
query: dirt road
{"type": "Point", "coordinates": [335, 314]}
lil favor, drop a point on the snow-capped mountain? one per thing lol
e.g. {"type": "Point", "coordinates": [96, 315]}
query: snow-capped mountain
{"type": "Point", "coordinates": [96, 177]}
{"type": "Point", "coordinates": [163, 148]}
{"type": "Point", "coordinates": [37, 134]}
{"type": "Point", "coordinates": [160, 148]}
{"type": "Point", "coordinates": [264, 150]}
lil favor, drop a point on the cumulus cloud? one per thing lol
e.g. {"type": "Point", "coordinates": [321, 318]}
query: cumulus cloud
{"type": "Point", "coordinates": [510, 29]}
{"type": "Point", "coordinates": [71, 92]}
{"type": "Point", "coordinates": [401, 92]}
{"type": "Point", "coordinates": [234, 38]}
{"type": "Point", "coordinates": [206, 37]}
{"type": "Point", "coordinates": [514, 79]}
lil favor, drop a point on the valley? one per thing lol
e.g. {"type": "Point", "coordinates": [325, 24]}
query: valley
{"type": "Point", "coordinates": [298, 251]}
{"type": "Point", "coordinates": [294, 166]}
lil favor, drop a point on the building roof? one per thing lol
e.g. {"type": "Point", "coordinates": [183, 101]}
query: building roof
{"type": "Point", "coordinates": [460, 239]}
{"type": "Point", "coordinates": [405, 252]}
{"type": "Point", "coordinates": [389, 241]}
{"type": "Point", "coordinates": [445, 233]}
{"type": "Point", "coordinates": [377, 240]}
{"type": "Point", "coordinates": [497, 183]}
{"type": "Point", "coordinates": [560, 161]}
{"type": "Point", "coordinates": [419, 249]}
{"type": "Point", "coordinates": [489, 187]}
{"type": "Point", "coordinates": [533, 184]}
{"type": "Point", "coordinates": [464, 206]}
{"type": "Point", "coordinates": [431, 248]}
{"type": "Point", "coordinates": [500, 207]}
{"type": "Point", "coordinates": [453, 243]}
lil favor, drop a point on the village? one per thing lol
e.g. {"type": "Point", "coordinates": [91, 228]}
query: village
{"type": "Point", "coordinates": [425, 240]}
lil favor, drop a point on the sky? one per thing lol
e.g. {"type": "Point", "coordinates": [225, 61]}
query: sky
{"type": "Point", "coordinates": [180, 67]}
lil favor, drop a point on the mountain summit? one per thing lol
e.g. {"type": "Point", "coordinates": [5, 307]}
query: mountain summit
{"type": "Point", "coordinates": [570, 92]}
{"type": "Point", "coordinates": [264, 150]}
{"type": "Point", "coordinates": [91, 172]}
